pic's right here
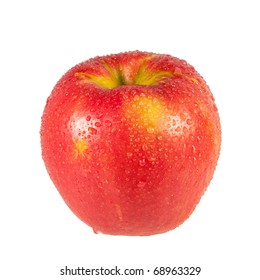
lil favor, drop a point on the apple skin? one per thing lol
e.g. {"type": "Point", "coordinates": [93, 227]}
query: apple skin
{"type": "Point", "coordinates": [131, 141]}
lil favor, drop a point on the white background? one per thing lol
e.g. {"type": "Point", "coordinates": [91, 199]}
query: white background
{"type": "Point", "coordinates": [40, 40]}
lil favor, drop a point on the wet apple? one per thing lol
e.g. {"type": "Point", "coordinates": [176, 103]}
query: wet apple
{"type": "Point", "coordinates": [131, 141]}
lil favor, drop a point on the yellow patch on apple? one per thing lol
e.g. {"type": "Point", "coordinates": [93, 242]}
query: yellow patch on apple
{"type": "Point", "coordinates": [81, 146]}
{"type": "Point", "coordinates": [146, 111]}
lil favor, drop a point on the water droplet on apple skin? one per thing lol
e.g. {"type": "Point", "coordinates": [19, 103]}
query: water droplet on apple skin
{"type": "Point", "coordinates": [99, 115]}
{"type": "Point", "coordinates": [150, 130]}
{"type": "Point", "coordinates": [136, 97]}
{"type": "Point", "coordinates": [173, 122]}
{"type": "Point", "coordinates": [92, 130]}
{"type": "Point", "coordinates": [129, 155]}
{"type": "Point", "coordinates": [142, 162]}
{"type": "Point", "coordinates": [98, 124]}
{"type": "Point", "coordinates": [145, 147]}
{"type": "Point", "coordinates": [189, 121]}
{"type": "Point", "coordinates": [141, 184]}
{"type": "Point", "coordinates": [108, 123]}
{"type": "Point", "coordinates": [133, 92]}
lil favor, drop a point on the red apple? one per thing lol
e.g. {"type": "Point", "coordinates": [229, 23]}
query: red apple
{"type": "Point", "coordinates": [131, 141]}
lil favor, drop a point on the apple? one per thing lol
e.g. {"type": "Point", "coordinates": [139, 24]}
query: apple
{"type": "Point", "coordinates": [131, 141]}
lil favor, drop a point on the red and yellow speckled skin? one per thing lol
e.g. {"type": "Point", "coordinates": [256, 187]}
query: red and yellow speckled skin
{"type": "Point", "coordinates": [131, 141]}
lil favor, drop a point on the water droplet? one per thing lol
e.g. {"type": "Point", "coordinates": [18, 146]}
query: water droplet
{"type": "Point", "coordinates": [98, 102]}
{"type": "Point", "coordinates": [150, 129]}
{"type": "Point", "coordinates": [182, 117]}
{"type": "Point", "coordinates": [92, 130]}
{"type": "Point", "coordinates": [177, 71]}
{"type": "Point", "coordinates": [99, 115]}
{"type": "Point", "coordinates": [129, 155]}
{"type": "Point", "coordinates": [133, 91]}
{"type": "Point", "coordinates": [142, 162]}
{"type": "Point", "coordinates": [141, 184]}
{"type": "Point", "coordinates": [97, 124]}
{"type": "Point", "coordinates": [189, 121]}
{"type": "Point", "coordinates": [136, 97]}
{"type": "Point", "coordinates": [152, 159]}
{"type": "Point", "coordinates": [159, 137]}
{"type": "Point", "coordinates": [108, 123]}
{"type": "Point", "coordinates": [88, 118]}
{"type": "Point", "coordinates": [144, 147]}
{"type": "Point", "coordinates": [195, 111]}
